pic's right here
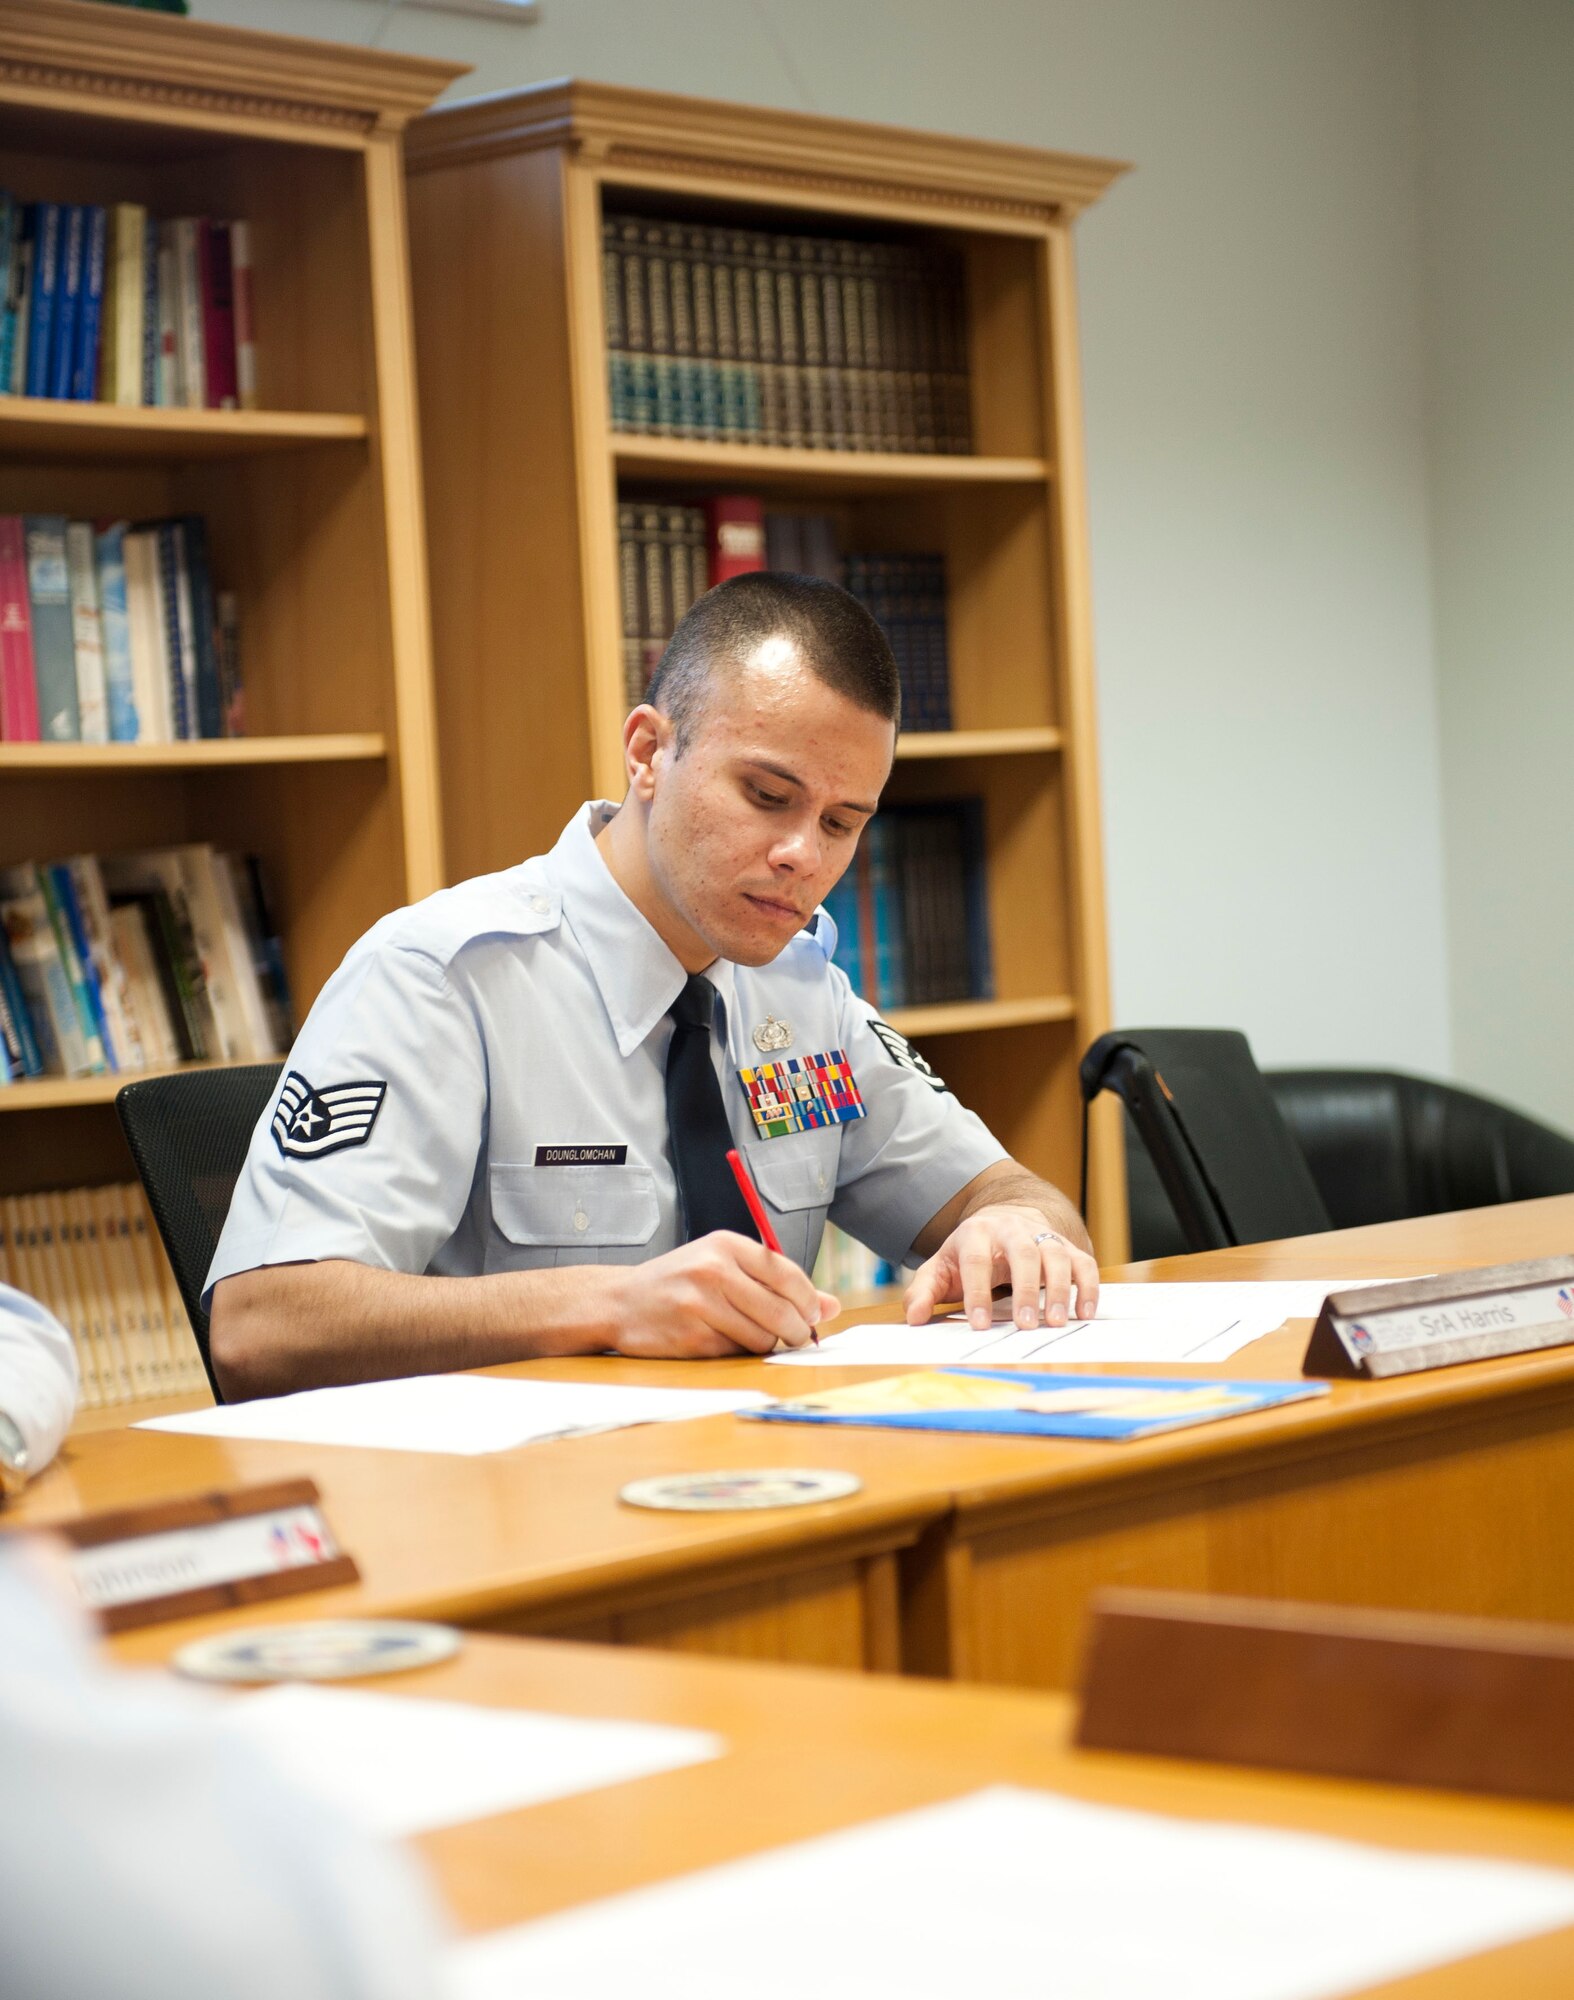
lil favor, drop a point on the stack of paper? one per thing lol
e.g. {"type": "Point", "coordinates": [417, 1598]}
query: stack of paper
{"type": "Point", "coordinates": [465, 1414]}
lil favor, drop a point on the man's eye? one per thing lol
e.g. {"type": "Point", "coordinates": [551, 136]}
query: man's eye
{"type": "Point", "coordinates": [840, 829]}
{"type": "Point", "coordinates": [765, 798]}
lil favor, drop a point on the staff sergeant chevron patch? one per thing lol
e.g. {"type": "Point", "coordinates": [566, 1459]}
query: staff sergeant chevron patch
{"type": "Point", "coordinates": [308, 1122]}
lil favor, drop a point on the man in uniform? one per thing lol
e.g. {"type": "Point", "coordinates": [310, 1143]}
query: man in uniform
{"type": "Point", "coordinates": [528, 1083]}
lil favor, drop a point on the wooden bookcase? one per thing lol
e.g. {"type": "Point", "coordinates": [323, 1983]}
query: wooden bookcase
{"type": "Point", "coordinates": [524, 472]}
{"type": "Point", "coordinates": [313, 501]}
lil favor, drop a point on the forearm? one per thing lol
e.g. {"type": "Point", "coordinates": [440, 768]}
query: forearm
{"type": "Point", "coordinates": [303, 1326]}
{"type": "Point", "coordinates": [1007, 1182]}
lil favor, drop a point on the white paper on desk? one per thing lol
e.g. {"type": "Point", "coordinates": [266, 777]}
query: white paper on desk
{"type": "Point", "coordinates": [401, 1764]}
{"type": "Point", "coordinates": [463, 1414]}
{"type": "Point", "coordinates": [1203, 1322]}
{"type": "Point", "coordinates": [949, 1343]}
{"type": "Point", "coordinates": [1023, 1895]}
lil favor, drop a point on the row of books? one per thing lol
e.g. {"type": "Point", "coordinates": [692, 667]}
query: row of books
{"type": "Point", "coordinates": [112, 305]}
{"type": "Point", "coordinates": [912, 913]}
{"type": "Point", "coordinates": [93, 1256]}
{"type": "Point", "coordinates": [848, 1269]}
{"type": "Point", "coordinates": [753, 336]}
{"type": "Point", "coordinates": [669, 554]}
{"type": "Point", "coordinates": [112, 632]}
{"type": "Point", "coordinates": [138, 961]}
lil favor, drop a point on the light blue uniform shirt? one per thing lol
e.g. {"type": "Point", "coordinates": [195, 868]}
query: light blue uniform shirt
{"type": "Point", "coordinates": [481, 1087]}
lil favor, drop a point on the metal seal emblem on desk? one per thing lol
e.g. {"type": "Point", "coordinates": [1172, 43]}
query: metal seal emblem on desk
{"type": "Point", "coordinates": [732, 1492]}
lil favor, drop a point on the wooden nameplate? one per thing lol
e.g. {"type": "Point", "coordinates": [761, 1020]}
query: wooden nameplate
{"type": "Point", "coordinates": [1469, 1704]}
{"type": "Point", "coordinates": [181, 1558]}
{"type": "Point", "coordinates": [1436, 1322]}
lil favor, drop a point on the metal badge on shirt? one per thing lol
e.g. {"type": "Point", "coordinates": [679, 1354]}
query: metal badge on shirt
{"type": "Point", "coordinates": [802, 1094]}
{"type": "Point", "coordinates": [309, 1121]}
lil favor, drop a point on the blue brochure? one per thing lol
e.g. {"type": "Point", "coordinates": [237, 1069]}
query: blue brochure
{"type": "Point", "coordinates": [1015, 1402]}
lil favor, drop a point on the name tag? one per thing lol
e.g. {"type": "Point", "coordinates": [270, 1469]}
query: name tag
{"type": "Point", "coordinates": [582, 1156]}
{"type": "Point", "coordinates": [1435, 1322]}
{"type": "Point", "coordinates": [802, 1093]}
{"type": "Point", "coordinates": [177, 1558]}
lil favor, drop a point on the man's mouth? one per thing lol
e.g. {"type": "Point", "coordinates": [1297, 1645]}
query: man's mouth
{"type": "Point", "coordinates": [772, 906]}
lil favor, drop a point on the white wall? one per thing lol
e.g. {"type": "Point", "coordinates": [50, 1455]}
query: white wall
{"type": "Point", "coordinates": [1500, 279]}
{"type": "Point", "coordinates": [1252, 337]}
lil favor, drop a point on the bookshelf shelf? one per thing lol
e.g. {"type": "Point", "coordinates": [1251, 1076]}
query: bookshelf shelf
{"type": "Point", "coordinates": [510, 198]}
{"type": "Point", "coordinates": [793, 468]}
{"type": "Point", "coordinates": [85, 758]}
{"type": "Point", "coordinates": [965, 1017]}
{"type": "Point", "coordinates": [61, 1093]}
{"type": "Point", "coordinates": [927, 746]}
{"type": "Point", "coordinates": [39, 427]}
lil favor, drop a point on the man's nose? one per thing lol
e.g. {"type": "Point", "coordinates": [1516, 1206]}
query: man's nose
{"type": "Point", "coordinates": [798, 850]}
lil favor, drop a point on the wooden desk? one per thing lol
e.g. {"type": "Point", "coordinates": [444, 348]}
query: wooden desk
{"type": "Point", "coordinates": [1451, 1491]}
{"type": "Point", "coordinates": [966, 1556]}
{"type": "Point", "coordinates": [812, 1752]}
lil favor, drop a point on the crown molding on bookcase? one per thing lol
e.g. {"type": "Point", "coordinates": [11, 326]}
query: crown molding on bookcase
{"type": "Point", "coordinates": [146, 65]}
{"type": "Point", "coordinates": [645, 132]}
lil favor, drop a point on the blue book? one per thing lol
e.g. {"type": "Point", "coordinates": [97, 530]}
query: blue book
{"type": "Point", "coordinates": [182, 671]}
{"type": "Point", "coordinates": [68, 300]}
{"type": "Point", "coordinates": [975, 880]}
{"type": "Point", "coordinates": [28, 1058]}
{"type": "Point", "coordinates": [109, 555]}
{"type": "Point", "coordinates": [90, 308]}
{"type": "Point", "coordinates": [150, 318]}
{"type": "Point", "coordinates": [210, 700]}
{"type": "Point", "coordinates": [841, 906]}
{"type": "Point", "coordinates": [44, 281]}
{"type": "Point", "coordinates": [54, 645]}
{"type": "Point", "coordinates": [83, 974]}
{"type": "Point", "coordinates": [9, 249]}
{"type": "Point", "coordinates": [1019, 1402]}
{"type": "Point", "coordinates": [888, 988]}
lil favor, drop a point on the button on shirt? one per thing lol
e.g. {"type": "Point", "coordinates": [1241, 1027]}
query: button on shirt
{"type": "Point", "coordinates": [481, 1087]}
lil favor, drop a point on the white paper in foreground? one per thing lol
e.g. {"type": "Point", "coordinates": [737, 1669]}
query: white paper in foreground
{"type": "Point", "coordinates": [1024, 1896]}
{"type": "Point", "coordinates": [401, 1765]}
{"type": "Point", "coordinates": [465, 1414]}
{"type": "Point", "coordinates": [1135, 1323]}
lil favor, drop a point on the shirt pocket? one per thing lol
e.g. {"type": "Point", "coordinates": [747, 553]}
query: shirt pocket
{"type": "Point", "coordinates": [797, 1176]}
{"type": "Point", "coordinates": [569, 1215]}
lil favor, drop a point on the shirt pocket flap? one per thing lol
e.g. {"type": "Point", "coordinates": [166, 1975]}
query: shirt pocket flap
{"type": "Point", "coordinates": [797, 1170]}
{"type": "Point", "coordinates": [569, 1205]}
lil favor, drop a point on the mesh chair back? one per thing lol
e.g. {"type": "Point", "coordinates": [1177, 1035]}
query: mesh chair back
{"type": "Point", "coordinates": [1208, 1121]}
{"type": "Point", "coordinates": [188, 1134]}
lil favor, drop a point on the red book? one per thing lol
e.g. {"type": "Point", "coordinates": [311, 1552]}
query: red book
{"type": "Point", "coordinates": [737, 536]}
{"type": "Point", "coordinates": [218, 313]}
{"type": "Point", "coordinates": [18, 685]}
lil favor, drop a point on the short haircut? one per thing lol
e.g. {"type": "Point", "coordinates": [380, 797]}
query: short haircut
{"type": "Point", "coordinates": [837, 638]}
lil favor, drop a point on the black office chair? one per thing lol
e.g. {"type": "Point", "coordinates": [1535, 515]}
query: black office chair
{"type": "Point", "coordinates": [1382, 1146]}
{"type": "Point", "coordinates": [188, 1134]}
{"type": "Point", "coordinates": [1220, 1148]}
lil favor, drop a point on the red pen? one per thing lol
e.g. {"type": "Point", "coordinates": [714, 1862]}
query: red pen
{"type": "Point", "coordinates": [762, 1221]}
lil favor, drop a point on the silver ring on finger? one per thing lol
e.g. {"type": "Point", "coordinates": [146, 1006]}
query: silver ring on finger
{"type": "Point", "coordinates": [1049, 1236]}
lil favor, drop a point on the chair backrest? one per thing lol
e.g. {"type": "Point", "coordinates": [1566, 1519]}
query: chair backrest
{"type": "Point", "coordinates": [188, 1134]}
{"type": "Point", "coordinates": [1208, 1121]}
{"type": "Point", "coordinates": [1383, 1146]}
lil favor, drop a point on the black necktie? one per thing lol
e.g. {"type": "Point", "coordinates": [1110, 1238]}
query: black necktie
{"type": "Point", "coordinates": [697, 1120]}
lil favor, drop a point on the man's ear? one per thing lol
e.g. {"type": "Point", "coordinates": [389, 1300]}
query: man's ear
{"type": "Point", "coordinates": [647, 744]}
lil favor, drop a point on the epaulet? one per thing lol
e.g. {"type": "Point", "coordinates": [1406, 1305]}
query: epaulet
{"type": "Point", "coordinates": [515, 902]}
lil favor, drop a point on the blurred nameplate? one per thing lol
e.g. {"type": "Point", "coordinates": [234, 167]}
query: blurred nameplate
{"type": "Point", "coordinates": [1435, 1322]}
{"type": "Point", "coordinates": [181, 1558]}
